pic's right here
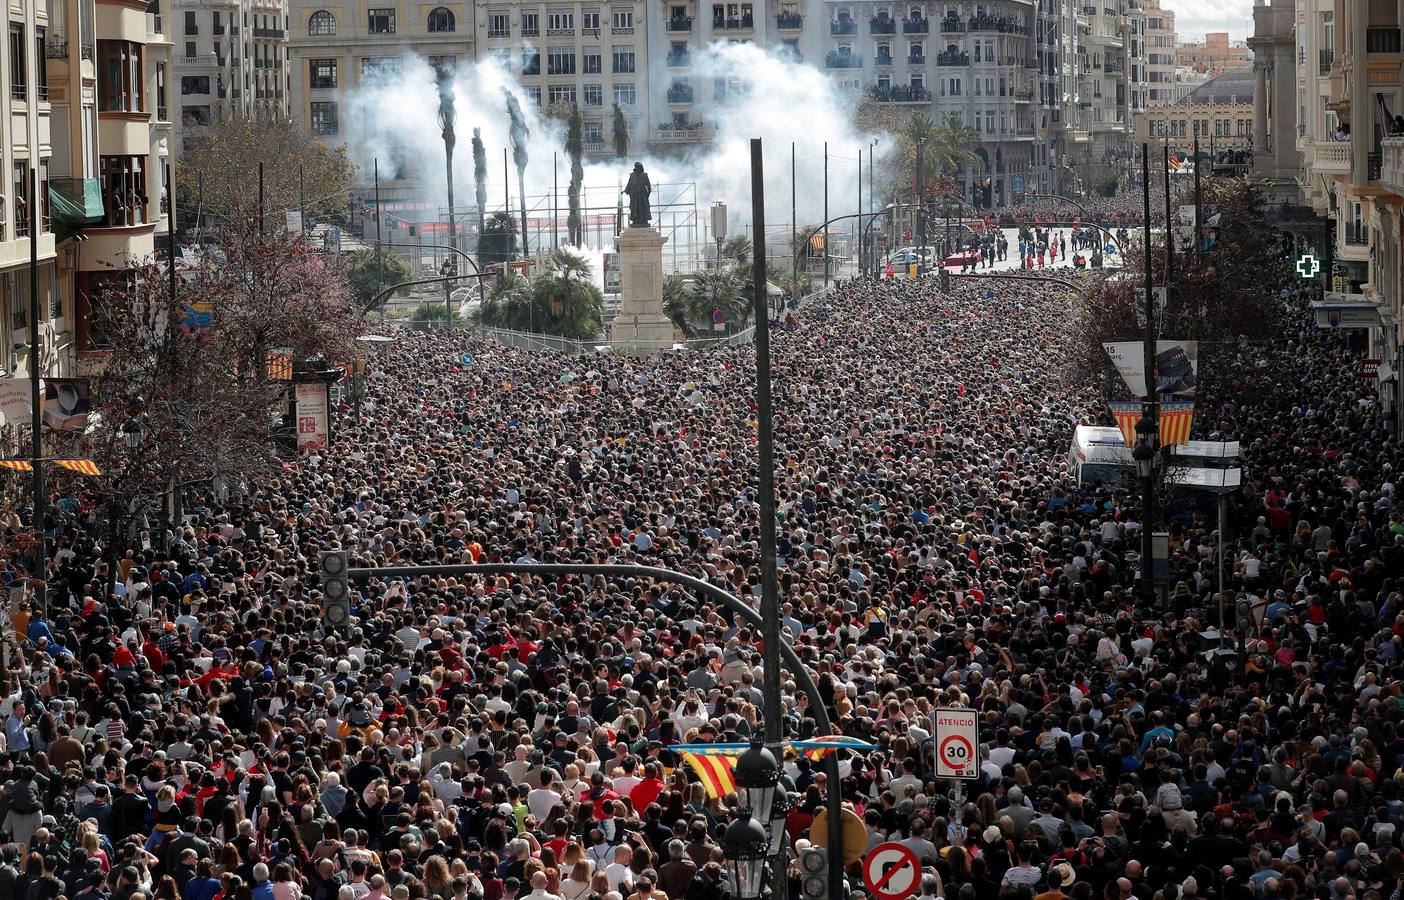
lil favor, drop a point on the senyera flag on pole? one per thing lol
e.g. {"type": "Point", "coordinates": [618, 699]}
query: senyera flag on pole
{"type": "Point", "coordinates": [715, 764]}
{"type": "Point", "coordinates": [1176, 420]}
{"type": "Point", "coordinates": [81, 466]}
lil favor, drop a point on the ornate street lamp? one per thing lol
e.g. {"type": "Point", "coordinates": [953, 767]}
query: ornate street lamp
{"type": "Point", "coordinates": [746, 846]}
{"type": "Point", "coordinates": [779, 815]}
{"type": "Point", "coordinates": [757, 774]}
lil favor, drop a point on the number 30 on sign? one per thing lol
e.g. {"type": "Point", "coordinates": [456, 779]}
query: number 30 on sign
{"type": "Point", "coordinates": [957, 743]}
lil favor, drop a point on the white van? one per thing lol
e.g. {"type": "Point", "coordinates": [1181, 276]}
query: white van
{"type": "Point", "coordinates": [1099, 455]}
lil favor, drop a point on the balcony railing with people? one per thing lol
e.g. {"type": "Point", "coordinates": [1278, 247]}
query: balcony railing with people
{"type": "Point", "coordinates": [952, 25]}
{"type": "Point", "coordinates": [836, 60]}
{"type": "Point", "coordinates": [882, 25]}
{"type": "Point", "coordinates": [732, 23]}
{"type": "Point", "coordinates": [899, 93]}
{"type": "Point", "coordinates": [916, 26]}
{"type": "Point", "coordinates": [843, 26]}
{"type": "Point", "coordinates": [680, 93]}
{"type": "Point", "coordinates": [947, 58]}
{"type": "Point", "coordinates": [789, 21]}
{"type": "Point", "coordinates": [916, 59]}
{"type": "Point", "coordinates": [680, 23]}
{"type": "Point", "coordinates": [677, 60]}
{"type": "Point", "coordinates": [1000, 24]}
{"type": "Point", "coordinates": [883, 59]}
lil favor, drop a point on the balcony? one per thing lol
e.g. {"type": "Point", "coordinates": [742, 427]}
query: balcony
{"type": "Point", "coordinates": [1324, 59]}
{"type": "Point", "coordinates": [680, 94]}
{"type": "Point", "coordinates": [952, 25]}
{"type": "Point", "coordinates": [946, 58]}
{"type": "Point", "coordinates": [55, 47]}
{"type": "Point", "coordinates": [735, 23]}
{"type": "Point", "coordinates": [683, 23]}
{"type": "Point", "coordinates": [900, 93]}
{"type": "Point", "coordinates": [836, 60]}
{"type": "Point", "coordinates": [678, 60]}
{"type": "Point", "coordinates": [1355, 233]}
{"type": "Point", "coordinates": [1382, 40]}
{"type": "Point", "coordinates": [1392, 164]}
{"type": "Point", "coordinates": [879, 25]}
{"type": "Point", "coordinates": [843, 26]}
{"type": "Point", "coordinates": [998, 24]}
{"type": "Point", "coordinates": [321, 83]}
{"type": "Point", "coordinates": [789, 21]}
{"type": "Point", "coordinates": [883, 59]}
{"type": "Point", "coordinates": [916, 26]}
{"type": "Point", "coordinates": [685, 133]}
{"type": "Point", "coordinates": [217, 29]}
{"type": "Point", "coordinates": [1332, 158]}
{"type": "Point", "coordinates": [1023, 94]}
{"type": "Point", "coordinates": [916, 59]}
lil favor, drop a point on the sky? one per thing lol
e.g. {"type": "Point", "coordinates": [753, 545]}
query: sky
{"type": "Point", "coordinates": [1195, 17]}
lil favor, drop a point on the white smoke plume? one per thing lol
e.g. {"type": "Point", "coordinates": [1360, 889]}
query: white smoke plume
{"type": "Point", "coordinates": [768, 97]}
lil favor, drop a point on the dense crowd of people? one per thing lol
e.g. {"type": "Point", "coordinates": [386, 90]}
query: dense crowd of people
{"type": "Point", "coordinates": [201, 734]}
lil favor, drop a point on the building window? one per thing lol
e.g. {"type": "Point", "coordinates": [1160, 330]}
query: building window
{"type": "Point", "coordinates": [21, 197]}
{"type": "Point", "coordinates": [531, 62]}
{"type": "Point", "coordinates": [531, 24]}
{"type": "Point", "coordinates": [590, 20]}
{"type": "Point", "coordinates": [624, 94]}
{"type": "Point", "coordinates": [373, 68]}
{"type": "Point", "coordinates": [592, 133]}
{"type": "Point", "coordinates": [194, 84]}
{"type": "Point", "coordinates": [534, 94]}
{"type": "Point", "coordinates": [499, 25]}
{"type": "Point", "coordinates": [190, 25]}
{"type": "Point", "coordinates": [41, 67]}
{"type": "Point", "coordinates": [195, 116]}
{"type": "Point", "coordinates": [121, 77]}
{"type": "Point", "coordinates": [441, 20]}
{"type": "Point", "coordinates": [19, 71]}
{"type": "Point", "coordinates": [623, 18]}
{"type": "Point", "coordinates": [560, 21]}
{"type": "Point", "coordinates": [561, 93]}
{"type": "Point", "coordinates": [381, 21]}
{"type": "Point", "coordinates": [623, 60]}
{"type": "Point", "coordinates": [323, 117]}
{"type": "Point", "coordinates": [322, 73]}
{"type": "Point", "coordinates": [321, 23]}
{"type": "Point", "coordinates": [560, 62]}
{"type": "Point", "coordinates": [190, 50]}
{"type": "Point", "coordinates": [163, 112]}
{"type": "Point", "coordinates": [591, 63]}
{"type": "Point", "coordinates": [124, 190]}
{"type": "Point", "coordinates": [594, 95]}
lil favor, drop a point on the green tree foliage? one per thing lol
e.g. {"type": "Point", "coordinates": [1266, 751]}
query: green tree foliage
{"type": "Point", "coordinates": [366, 278]}
{"type": "Point", "coordinates": [498, 243]}
{"type": "Point", "coordinates": [561, 300]}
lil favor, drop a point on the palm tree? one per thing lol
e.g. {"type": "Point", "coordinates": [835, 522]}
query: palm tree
{"type": "Point", "coordinates": [621, 133]}
{"type": "Point", "coordinates": [510, 303]}
{"type": "Point", "coordinates": [954, 145]}
{"type": "Point", "coordinates": [573, 304]}
{"type": "Point", "coordinates": [920, 132]}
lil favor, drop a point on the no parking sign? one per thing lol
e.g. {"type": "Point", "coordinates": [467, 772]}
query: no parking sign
{"type": "Point", "coordinates": [892, 872]}
{"type": "Point", "coordinates": [957, 739]}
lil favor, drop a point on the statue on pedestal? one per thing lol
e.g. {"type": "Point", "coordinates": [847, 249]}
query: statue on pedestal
{"type": "Point", "coordinates": [638, 188]}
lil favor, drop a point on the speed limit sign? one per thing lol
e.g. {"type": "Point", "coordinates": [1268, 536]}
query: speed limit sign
{"type": "Point", "coordinates": [957, 739]}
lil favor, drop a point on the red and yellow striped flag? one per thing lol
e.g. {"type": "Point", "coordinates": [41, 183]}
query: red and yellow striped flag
{"type": "Point", "coordinates": [18, 465]}
{"type": "Point", "coordinates": [81, 466]}
{"type": "Point", "coordinates": [716, 771]}
{"type": "Point", "coordinates": [1126, 413]}
{"type": "Point", "coordinates": [1176, 420]}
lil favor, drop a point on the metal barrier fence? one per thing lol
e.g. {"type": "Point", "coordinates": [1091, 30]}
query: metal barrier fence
{"type": "Point", "coordinates": [747, 335]}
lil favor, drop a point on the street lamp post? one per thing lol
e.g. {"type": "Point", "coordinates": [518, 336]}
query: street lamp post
{"type": "Point", "coordinates": [1147, 429]}
{"type": "Point", "coordinates": [746, 845]}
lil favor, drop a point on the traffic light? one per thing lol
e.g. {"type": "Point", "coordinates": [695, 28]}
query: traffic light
{"type": "Point", "coordinates": [1244, 610]}
{"type": "Point", "coordinates": [814, 873]}
{"type": "Point", "coordinates": [336, 587]}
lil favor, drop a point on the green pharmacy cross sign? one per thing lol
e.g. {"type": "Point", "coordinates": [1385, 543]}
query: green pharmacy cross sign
{"type": "Point", "coordinates": [1308, 265]}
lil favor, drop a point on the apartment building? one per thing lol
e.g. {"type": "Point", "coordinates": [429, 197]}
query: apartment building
{"type": "Point", "coordinates": [85, 97]}
{"type": "Point", "coordinates": [588, 54]}
{"type": "Point", "coordinates": [1328, 80]}
{"type": "Point", "coordinates": [1111, 71]}
{"type": "Point", "coordinates": [1161, 46]}
{"type": "Point", "coordinates": [1214, 55]}
{"type": "Point", "coordinates": [229, 61]}
{"type": "Point", "coordinates": [335, 47]}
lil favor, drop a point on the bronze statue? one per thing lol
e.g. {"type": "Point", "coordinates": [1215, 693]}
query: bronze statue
{"type": "Point", "coordinates": [638, 190]}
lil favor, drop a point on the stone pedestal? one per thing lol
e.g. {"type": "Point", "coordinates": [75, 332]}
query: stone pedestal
{"type": "Point", "coordinates": [641, 323]}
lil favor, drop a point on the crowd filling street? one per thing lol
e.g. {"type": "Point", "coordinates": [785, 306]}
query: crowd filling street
{"type": "Point", "coordinates": [202, 735]}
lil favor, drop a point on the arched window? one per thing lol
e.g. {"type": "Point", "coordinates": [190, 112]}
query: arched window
{"type": "Point", "coordinates": [441, 19]}
{"type": "Point", "coordinates": [321, 22]}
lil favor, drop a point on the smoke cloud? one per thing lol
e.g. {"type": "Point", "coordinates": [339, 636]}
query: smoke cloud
{"type": "Point", "coordinates": [763, 96]}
